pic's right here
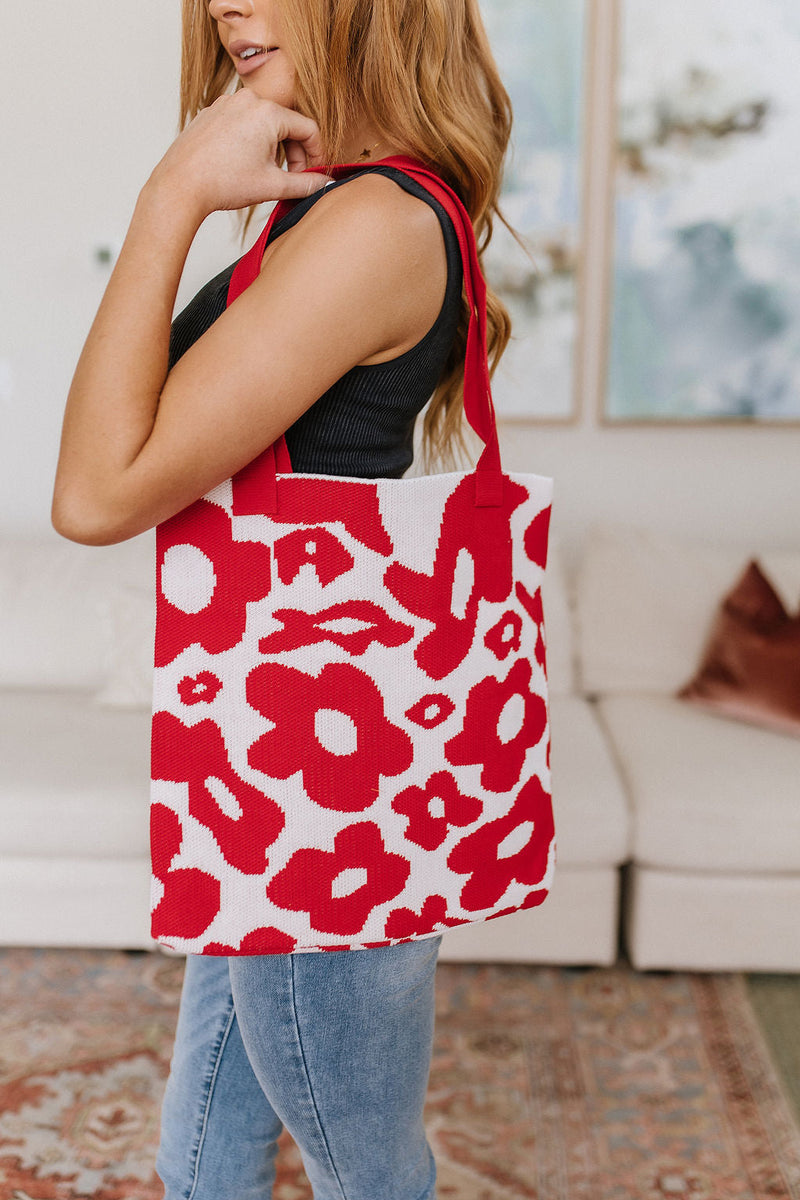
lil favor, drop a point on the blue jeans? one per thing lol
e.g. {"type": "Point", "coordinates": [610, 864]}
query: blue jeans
{"type": "Point", "coordinates": [335, 1045]}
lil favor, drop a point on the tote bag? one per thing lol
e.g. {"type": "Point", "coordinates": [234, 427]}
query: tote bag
{"type": "Point", "coordinates": [350, 736]}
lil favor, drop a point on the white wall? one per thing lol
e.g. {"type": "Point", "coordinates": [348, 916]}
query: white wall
{"type": "Point", "coordinates": [92, 104]}
{"type": "Point", "coordinates": [736, 483]}
{"type": "Point", "coordinates": [93, 107]}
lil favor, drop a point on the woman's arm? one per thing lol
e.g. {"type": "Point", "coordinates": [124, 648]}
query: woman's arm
{"type": "Point", "coordinates": [344, 285]}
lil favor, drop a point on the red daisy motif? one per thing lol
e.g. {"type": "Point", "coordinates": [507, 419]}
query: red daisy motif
{"type": "Point", "coordinates": [340, 889]}
{"type": "Point", "coordinates": [482, 739]}
{"type": "Point", "coordinates": [505, 636]}
{"type": "Point", "coordinates": [196, 755]}
{"type": "Point", "coordinates": [199, 689]}
{"type": "Point", "coordinates": [491, 872]}
{"type": "Point", "coordinates": [352, 624]}
{"type": "Point", "coordinates": [473, 562]}
{"type": "Point", "coordinates": [191, 897]}
{"type": "Point", "coordinates": [535, 610]}
{"type": "Point", "coordinates": [238, 572]}
{"type": "Point", "coordinates": [431, 710]}
{"type": "Point", "coordinates": [316, 546]}
{"type": "Point", "coordinates": [536, 536]}
{"type": "Point", "coordinates": [332, 728]}
{"type": "Point", "coordinates": [441, 791]}
{"type": "Point", "coordinates": [265, 940]}
{"type": "Point", "coordinates": [405, 923]}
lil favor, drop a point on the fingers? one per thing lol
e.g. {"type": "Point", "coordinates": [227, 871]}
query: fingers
{"type": "Point", "coordinates": [296, 157]}
{"type": "Point", "coordinates": [241, 138]}
{"type": "Point", "coordinates": [302, 147]}
{"type": "Point", "coordinates": [302, 138]}
{"type": "Point", "coordinates": [294, 186]}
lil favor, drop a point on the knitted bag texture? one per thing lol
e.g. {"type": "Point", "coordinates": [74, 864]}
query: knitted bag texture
{"type": "Point", "coordinates": [350, 737]}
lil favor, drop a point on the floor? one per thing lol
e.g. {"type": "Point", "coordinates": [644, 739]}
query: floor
{"type": "Point", "coordinates": [546, 1083]}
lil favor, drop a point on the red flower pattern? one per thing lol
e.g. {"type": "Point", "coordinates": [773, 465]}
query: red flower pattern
{"type": "Point", "coordinates": [307, 882]}
{"type": "Point", "coordinates": [431, 710]}
{"type": "Point", "coordinates": [319, 547]}
{"type": "Point", "coordinates": [477, 854]}
{"type": "Point", "coordinates": [430, 831]}
{"type": "Point", "coordinates": [324, 727]}
{"type": "Point", "coordinates": [265, 940]}
{"type": "Point", "coordinates": [484, 535]}
{"type": "Point", "coordinates": [242, 573]}
{"type": "Point", "coordinates": [196, 755]}
{"type": "Point", "coordinates": [535, 610]}
{"type": "Point", "coordinates": [305, 629]}
{"type": "Point", "coordinates": [348, 780]}
{"type": "Point", "coordinates": [405, 923]}
{"type": "Point", "coordinates": [532, 900]}
{"type": "Point", "coordinates": [303, 501]}
{"type": "Point", "coordinates": [536, 537]}
{"type": "Point", "coordinates": [479, 741]}
{"type": "Point", "coordinates": [191, 897]}
{"type": "Point", "coordinates": [505, 636]}
{"type": "Point", "coordinates": [200, 689]}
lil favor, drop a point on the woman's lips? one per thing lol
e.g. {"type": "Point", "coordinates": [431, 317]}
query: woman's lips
{"type": "Point", "coordinates": [245, 66]}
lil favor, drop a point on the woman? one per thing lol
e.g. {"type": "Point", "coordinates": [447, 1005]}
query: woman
{"type": "Point", "coordinates": [355, 319]}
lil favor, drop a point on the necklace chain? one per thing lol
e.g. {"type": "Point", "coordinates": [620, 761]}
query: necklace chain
{"type": "Point", "coordinates": [367, 151]}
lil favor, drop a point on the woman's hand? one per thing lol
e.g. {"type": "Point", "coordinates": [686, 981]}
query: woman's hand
{"type": "Point", "coordinates": [227, 157]}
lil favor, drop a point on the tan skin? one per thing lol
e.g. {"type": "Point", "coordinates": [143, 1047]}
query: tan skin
{"type": "Point", "coordinates": [359, 280]}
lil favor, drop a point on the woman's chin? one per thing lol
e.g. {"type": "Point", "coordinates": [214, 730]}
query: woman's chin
{"type": "Point", "coordinates": [260, 84]}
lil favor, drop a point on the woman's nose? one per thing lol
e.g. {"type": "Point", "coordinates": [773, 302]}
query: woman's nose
{"type": "Point", "coordinates": [228, 10]}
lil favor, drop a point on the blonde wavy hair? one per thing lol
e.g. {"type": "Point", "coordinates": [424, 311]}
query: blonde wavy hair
{"type": "Point", "coordinates": [424, 72]}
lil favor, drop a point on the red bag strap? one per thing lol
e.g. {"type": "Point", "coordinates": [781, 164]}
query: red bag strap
{"type": "Point", "coordinates": [256, 487]}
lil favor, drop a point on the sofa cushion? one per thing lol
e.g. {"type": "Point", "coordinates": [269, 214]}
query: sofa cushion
{"type": "Point", "coordinates": [708, 794]}
{"type": "Point", "coordinates": [751, 665]}
{"type": "Point", "coordinates": [128, 621]}
{"type": "Point", "coordinates": [589, 803]}
{"type": "Point", "coordinates": [645, 603]}
{"type": "Point", "coordinates": [558, 623]}
{"type": "Point", "coordinates": [51, 591]}
{"type": "Point", "coordinates": [75, 778]}
{"type": "Point", "coordinates": [682, 921]}
{"type": "Point", "coordinates": [72, 901]}
{"type": "Point", "coordinates": [48, 614]}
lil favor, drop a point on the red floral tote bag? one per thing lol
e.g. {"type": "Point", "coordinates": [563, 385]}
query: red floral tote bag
{"type": "Point", "coordinates": [350, 736]}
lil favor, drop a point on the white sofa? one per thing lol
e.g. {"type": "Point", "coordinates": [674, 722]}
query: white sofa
{"type": "Point", "coordinates": [74, 772]}
{"type": "Point", "coordinates": [691, 820]}
{"type": "Point", "coordinates": [713, 881]}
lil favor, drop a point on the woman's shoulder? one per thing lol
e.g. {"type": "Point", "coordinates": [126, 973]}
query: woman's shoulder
{"type": "Point", "coordinates": [369, 246]}
{"type": "Point", "coordinates": [371, 214]}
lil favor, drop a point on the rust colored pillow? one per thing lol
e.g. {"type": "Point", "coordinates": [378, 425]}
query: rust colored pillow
{"type": "Point", "coordinates": [751, 664]}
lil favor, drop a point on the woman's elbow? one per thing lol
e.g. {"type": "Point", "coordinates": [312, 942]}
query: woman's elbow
{"type": "Point", "coordinates": [85, 523]}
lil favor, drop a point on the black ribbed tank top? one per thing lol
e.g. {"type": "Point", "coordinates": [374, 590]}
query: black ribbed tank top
{"type": "Point", "coordinates": [363, 426]}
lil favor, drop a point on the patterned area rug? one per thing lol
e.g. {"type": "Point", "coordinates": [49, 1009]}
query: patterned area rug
{"type": "Point", "coordinates": [546, 1084]}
